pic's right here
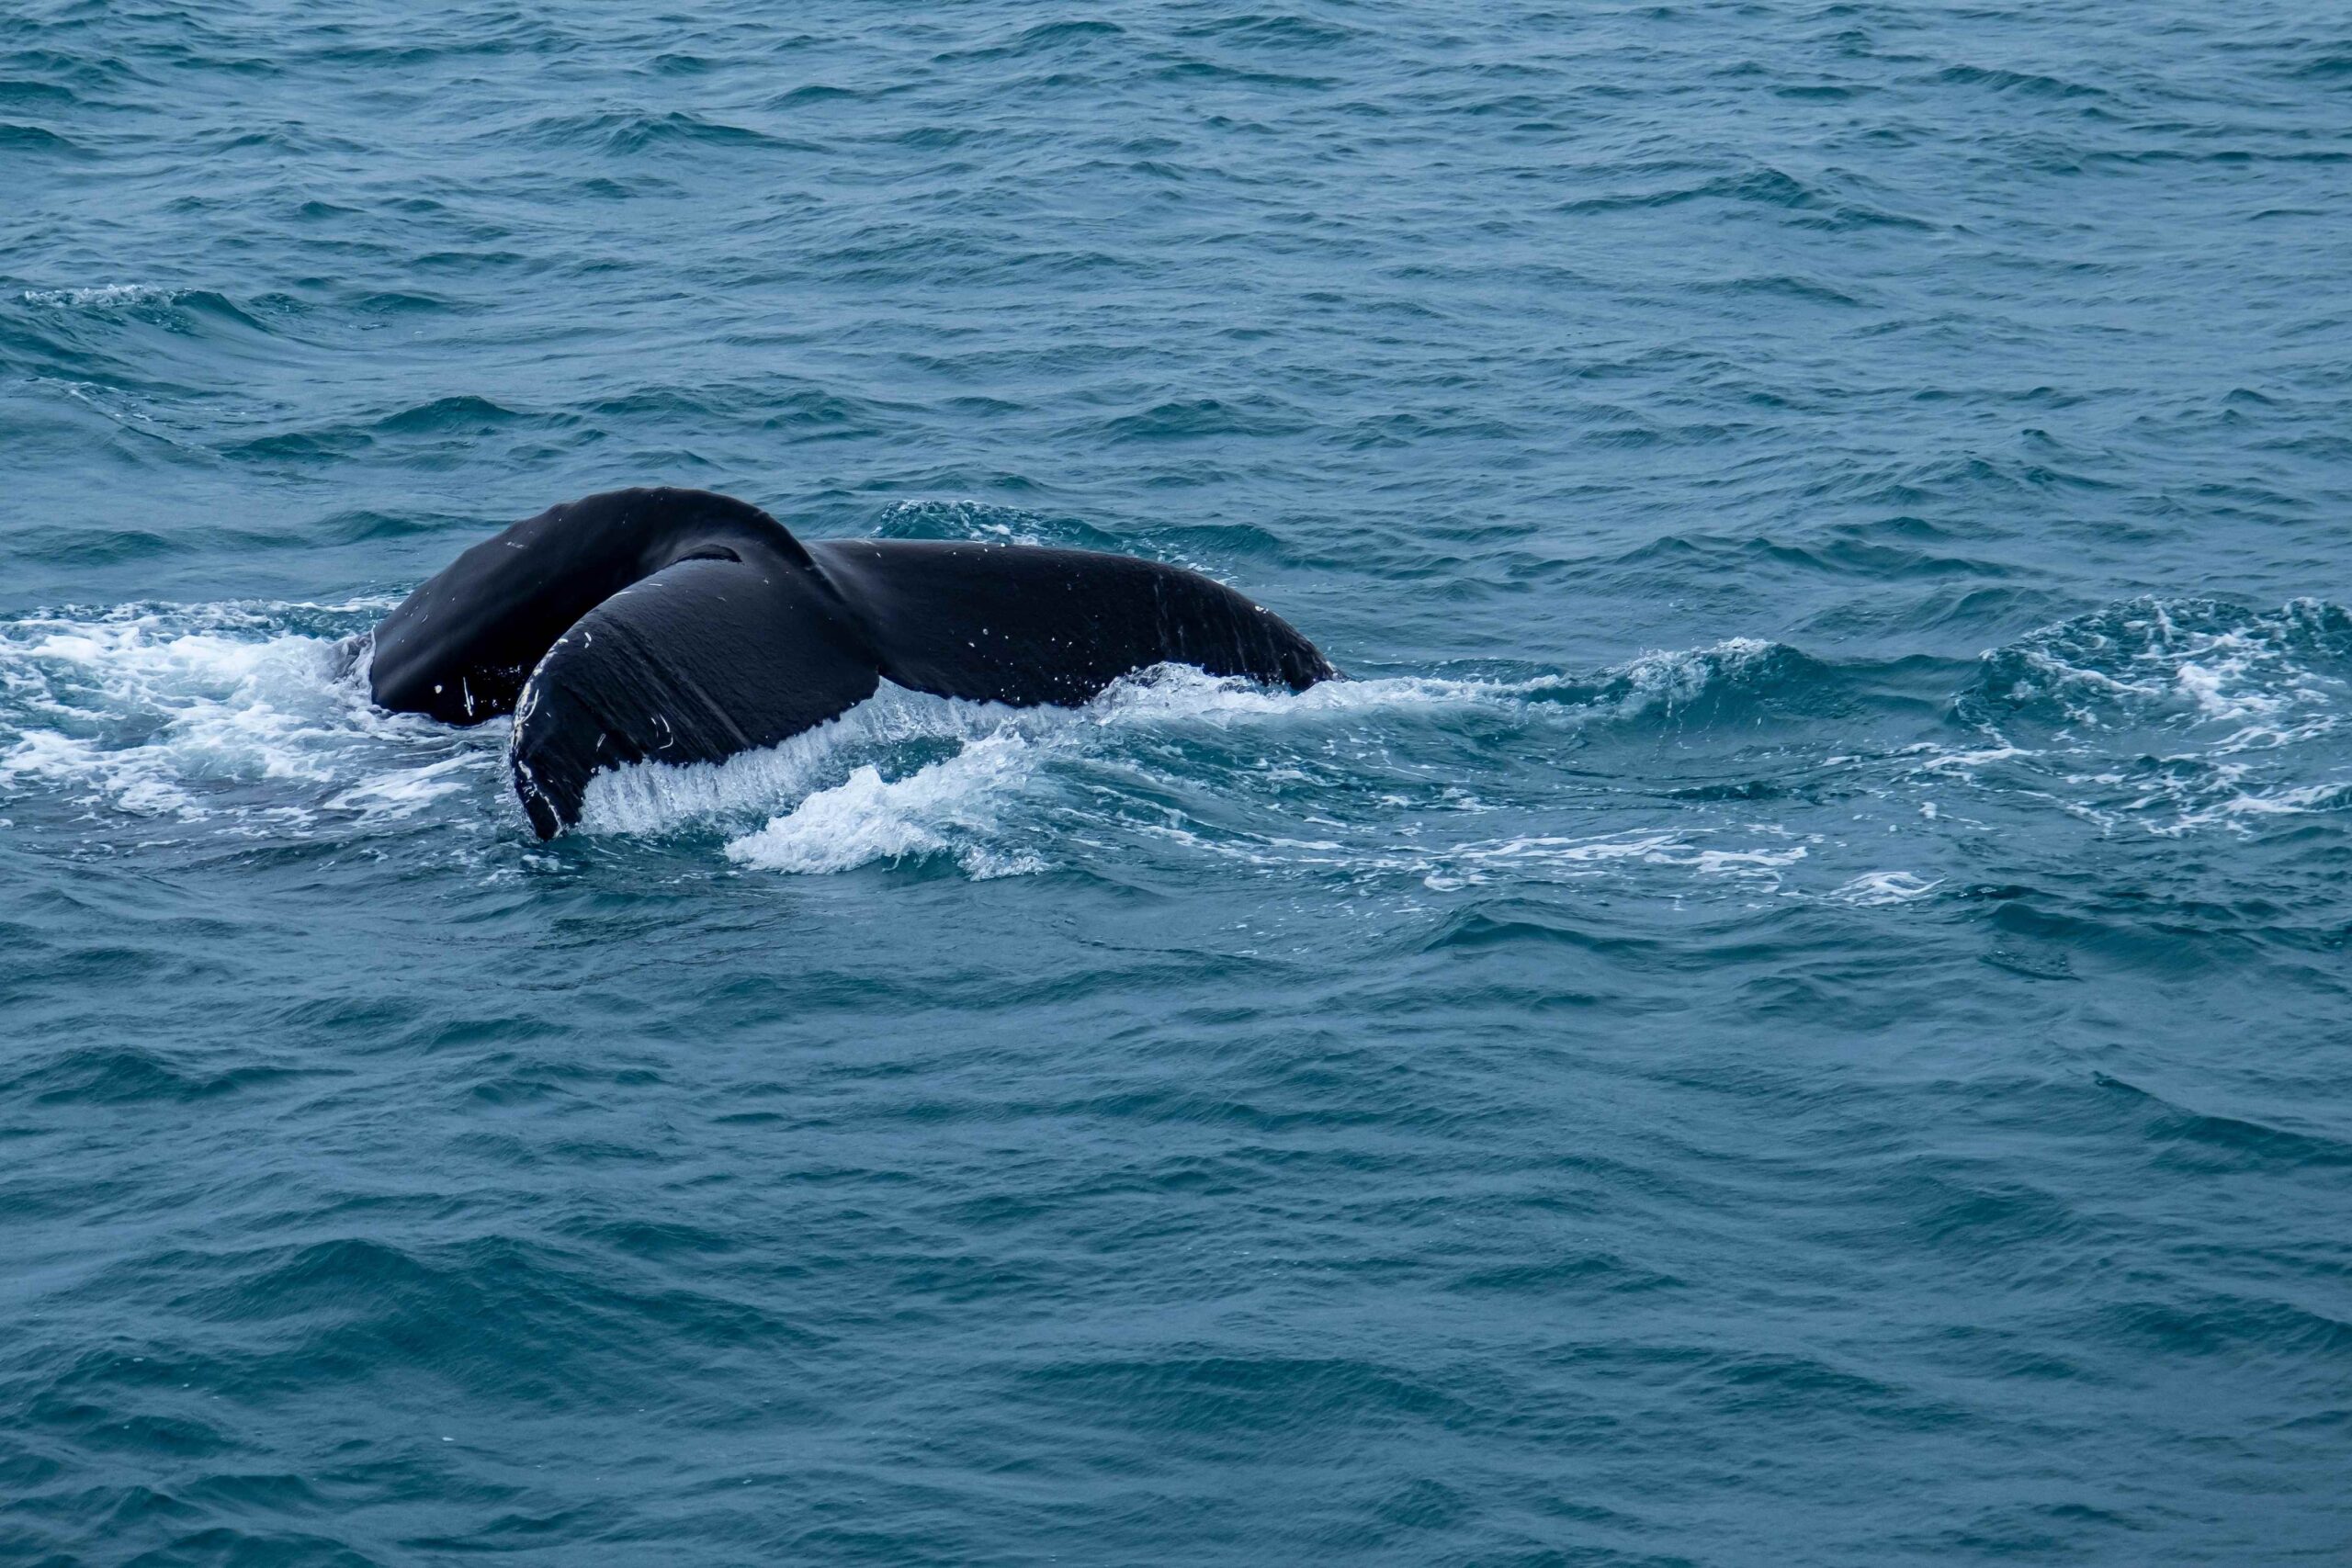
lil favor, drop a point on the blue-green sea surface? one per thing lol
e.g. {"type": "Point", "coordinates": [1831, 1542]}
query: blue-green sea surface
{"type": "Point", "coordinates": [1795, 1009]}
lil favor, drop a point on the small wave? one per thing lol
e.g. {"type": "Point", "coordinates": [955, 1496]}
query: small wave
{"type": "Point", "coordinates": [1688, 682]}
{"type": "Point", "coordinates": [627, 131]}
{"type": "Point", "coordinates": [2176, 714]}
{"type": "Point", "coordinates": [1043, 39]}
{"type": "Point", "coordinates": [37, 139]}
{"type": "Point", "coordinates": [2240, 809]}
{"type": "Point", "coordinates": [945, 808]}
{"type": "Point", "coordinates": [1274, 31]}
{"type": "Point", "coordinates": [183, 310]}
{"type": "Point", "coordinates": [1551, 858]}
{"type": "Point", "coordinates": [2025, 83]}
{"type": "Point", "coordinates": [103, 296]}
{"type": "Point", "coordinates": [2182, 664]}
{"type": "Point", "coordinates": [403, 793]}
{"type": "Point", "coordinates": [975, 520]}
{"type": "Point", "coordinates": [1200, 418]}
{"type": "Point", "coordinates": [464, 414]}
{"type": "Point", "coordinates": [1876, 888]}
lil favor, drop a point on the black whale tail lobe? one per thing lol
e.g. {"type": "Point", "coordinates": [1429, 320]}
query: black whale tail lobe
{"type": "Point", "coordinates": [682, 627]}
{"type": "Point", "coordinates": [462, 645]}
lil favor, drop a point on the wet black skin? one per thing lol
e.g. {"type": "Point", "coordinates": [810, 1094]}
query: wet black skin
{"type": "Point", "coordinates": [678, 625]}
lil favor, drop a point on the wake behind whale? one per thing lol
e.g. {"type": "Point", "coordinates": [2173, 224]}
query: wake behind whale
{"type": "Point", "coordinates": [678, 625]}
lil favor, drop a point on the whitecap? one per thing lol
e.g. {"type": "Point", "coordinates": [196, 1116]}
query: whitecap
{"type": "Point", "coordinates": [103, 296]}
{"type": "Point", "coordinates": [193, 713]}
{"type": "Point", "coordinates": [947, 808]}
{"type": "Point", "coordinates": [1881, 887]}
{"type": "Point", "coordinates": [1548, 857]}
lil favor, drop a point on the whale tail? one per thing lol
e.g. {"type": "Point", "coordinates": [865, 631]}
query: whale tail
{"type": "Point", "coordinates": [682, 626]}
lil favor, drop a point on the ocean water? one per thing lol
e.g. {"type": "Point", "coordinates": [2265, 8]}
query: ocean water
{"type": "Point", "coordinates": [1793, 1010]}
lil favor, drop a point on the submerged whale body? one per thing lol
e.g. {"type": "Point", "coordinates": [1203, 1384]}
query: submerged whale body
{"type": "Point", "coordinates": [677, 625]}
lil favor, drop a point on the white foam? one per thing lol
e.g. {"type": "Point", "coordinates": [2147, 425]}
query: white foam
{"type": "Point", "coordinates": [2239, 811]}
{"type": "Point", "coordinates": [137, 781]}
{"type": "Point", "coordinates": [1551, 857]}
{"type": "Point", "coordinates": [1881, 887]}
{"type": "Point", "coordinates": [945, 808]}
{"type": "Point", "coordinates": [180, 713]}
{"type": "Point", "coordinates": [403, 793]}
{"type": "Point", "coordinates": [1178, 693]}
{"type": "Point", "coordinates": [2171, 663]}
{"type": "Point", "coordinates": [1677, 677]}
{"type": "Point", "coordinates": [102, 296]}
{"type": "Point", "coordinates": [218, 706]}
{"type": "Point", "coordinates": [1941, 759]}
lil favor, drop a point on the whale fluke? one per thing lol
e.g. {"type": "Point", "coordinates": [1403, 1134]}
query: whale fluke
{"type": "Point", "coordinates": [679, 626]}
